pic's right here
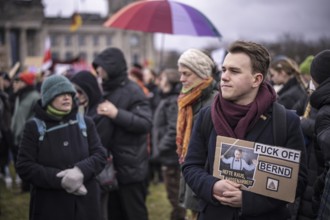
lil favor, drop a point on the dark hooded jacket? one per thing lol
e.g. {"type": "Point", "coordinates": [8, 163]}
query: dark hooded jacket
{"type": "Point", "coordinates": [128, 141]}
{"type": "Point", "coordinates": [89, 85]}
{"type": "Point", "coordinates": [164, 128]}
{"type": "Point", "coordinates": [320, 99]}
{"type": "Point", "coordinates": [291, 93]}
{"type": "Point", "coordinates": [87, 82]}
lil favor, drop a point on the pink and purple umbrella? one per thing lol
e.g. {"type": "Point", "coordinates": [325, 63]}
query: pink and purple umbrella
{"type": "Point", "coordinates": [163, 16]}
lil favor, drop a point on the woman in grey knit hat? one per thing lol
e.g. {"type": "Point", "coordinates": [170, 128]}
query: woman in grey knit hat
{"type": "Point", "coordinates": [60, 154]}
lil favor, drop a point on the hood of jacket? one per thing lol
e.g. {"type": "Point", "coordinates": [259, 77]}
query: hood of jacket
{"type": "Point", "coordinates": [112, 60]}
{"type": "Point", "coordinates": [321, 96]}
{"type": "Point", "coordinates": [88, 83]}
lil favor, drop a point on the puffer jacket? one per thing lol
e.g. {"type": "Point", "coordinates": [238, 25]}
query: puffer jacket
{"type": "Point", "coordinates": [128, 141]}
{"type": "Point", "coordinates": [320, 99]}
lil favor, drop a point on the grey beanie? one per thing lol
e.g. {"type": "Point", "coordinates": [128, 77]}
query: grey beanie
{"type": "Point", "coordinates": [320, 67]}
{"type": "Point", "coordinates": [54, 86]}
{"type": "Point", "coordinates": [198, 62]}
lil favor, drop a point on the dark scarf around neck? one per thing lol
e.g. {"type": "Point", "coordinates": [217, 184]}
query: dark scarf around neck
{"type": "Point", "coordinates": [233, 120]}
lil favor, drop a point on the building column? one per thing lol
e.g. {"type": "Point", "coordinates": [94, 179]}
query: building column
{"type": "Point", "coordinates": [7, 46]}
{"type": "Point", "coordinates": [22, 45]}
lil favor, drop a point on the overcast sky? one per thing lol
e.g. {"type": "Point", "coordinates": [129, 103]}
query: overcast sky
{"type": "Point", "coordinates": [258, 20]}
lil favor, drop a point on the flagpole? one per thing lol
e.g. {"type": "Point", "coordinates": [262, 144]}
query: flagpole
{"type": "Point", "coordinates": [77, 51]}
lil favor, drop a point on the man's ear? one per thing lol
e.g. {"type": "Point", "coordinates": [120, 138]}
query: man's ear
{"type": "Point", "coordinates": [257, 79]}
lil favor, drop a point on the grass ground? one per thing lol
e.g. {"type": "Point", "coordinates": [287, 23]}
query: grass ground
{"type": "Point", "coordinates": [15, 205]}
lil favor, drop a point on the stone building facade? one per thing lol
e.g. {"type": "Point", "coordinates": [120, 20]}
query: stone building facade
{"type": "Point", "coordinates": [24, 29]}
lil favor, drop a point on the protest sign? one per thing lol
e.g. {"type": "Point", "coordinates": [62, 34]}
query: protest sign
{"type": "Point", "coordinates": [263, 169]}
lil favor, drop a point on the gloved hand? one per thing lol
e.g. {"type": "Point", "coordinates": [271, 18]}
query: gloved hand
{"type": "Point", "coordinates": [81, 191]}
{"type": "Point", "coordinates": [72, 179]}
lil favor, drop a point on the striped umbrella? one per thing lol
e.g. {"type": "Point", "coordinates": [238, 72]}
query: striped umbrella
{"type": "Point", "coordinates": [162, 16]}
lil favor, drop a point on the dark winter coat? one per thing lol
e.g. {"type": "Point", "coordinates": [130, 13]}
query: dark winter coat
{"type": "Point", "coordinates": [254, 206]}
{"type": "Point", "coordinates": [291, 93]}
{"type": "Point", "coordinates": [88, 84]}
{"type": "Point", "coordinates": [128, 141]}
{"type": "Point", "coordinates": [304, 204]}
{"type": "Point", "coordinates": [320, 99]}
{"type": "Point", "coordinates": [164, 129]}
{"type": "Point", "coordinates": [39, 162]}
{"type": "Point", "coordinates": [5, 132]}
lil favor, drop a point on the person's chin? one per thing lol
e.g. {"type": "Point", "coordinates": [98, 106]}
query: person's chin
{"type": "Point", "coordinates": [225, 95]}
{"type": "Point", "coordinates": [66, 108]}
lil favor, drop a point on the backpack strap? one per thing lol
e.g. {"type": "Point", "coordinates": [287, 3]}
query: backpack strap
{"type": "Point", "coordinates": [42, 129]}
{"type": "Point", "coordinates": [41, 126]}
{"type": "Point", "coordinates": [279, 124]}
{"type": "Point", "coordinates": [207, 125]}
{"type": "Point", "coordinates": [82, 124]}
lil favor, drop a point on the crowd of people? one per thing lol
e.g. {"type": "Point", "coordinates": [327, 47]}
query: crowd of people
{"type": "Point", "coordinates": [60, 131]}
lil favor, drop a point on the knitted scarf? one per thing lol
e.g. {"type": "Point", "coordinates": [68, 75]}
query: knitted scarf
{"type": "Point", "coordinates": [55, 112]}
{"type": "Point", "coordinates": [185, 117]}
{"type": "Point", "coordinates": [233, 120]}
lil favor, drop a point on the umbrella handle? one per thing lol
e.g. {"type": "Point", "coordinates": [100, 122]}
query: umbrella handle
{"type": "Point", "coordinates": [161, 51]}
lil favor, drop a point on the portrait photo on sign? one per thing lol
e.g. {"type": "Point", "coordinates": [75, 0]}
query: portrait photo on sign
{"type": "Point", "coordinates": [237, 162]}
{"type": "Point", "coordinates": [260, 168]}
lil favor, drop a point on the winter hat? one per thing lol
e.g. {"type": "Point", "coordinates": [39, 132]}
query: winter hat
{"type": "Point", "coordinates": [320, 68]}
{"type": "Point", "coordinates": [198, 62]}
{"type": "Point", "coordinates": [27, 77]}
{"type": "Point", "coordinates": [305, 66]}
{"type": "Point", "coordinates": [53, 86]}
{"type": "Point", "coordinates": [112, 60]}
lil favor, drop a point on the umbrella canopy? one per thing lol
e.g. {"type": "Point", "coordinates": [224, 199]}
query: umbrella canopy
{"type": "Point", "coordinates": [163, 16]}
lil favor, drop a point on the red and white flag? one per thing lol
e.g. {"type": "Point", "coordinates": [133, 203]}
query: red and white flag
{"type": "Point", "coordinates": [47, 60]}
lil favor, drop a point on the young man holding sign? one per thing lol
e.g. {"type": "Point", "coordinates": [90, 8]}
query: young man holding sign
{"type": "Point", "coordinates": [241, 110]}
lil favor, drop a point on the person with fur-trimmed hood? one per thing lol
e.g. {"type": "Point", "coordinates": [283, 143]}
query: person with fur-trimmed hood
{"type": "Point", "coordinates": [129, 110]}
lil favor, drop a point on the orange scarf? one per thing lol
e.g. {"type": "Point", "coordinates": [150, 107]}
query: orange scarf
{"type": "Point", "coordinates": [185, 117]}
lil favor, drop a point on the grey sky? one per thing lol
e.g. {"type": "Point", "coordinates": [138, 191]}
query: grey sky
{"type": "Point", "coordinates": [265, 20]}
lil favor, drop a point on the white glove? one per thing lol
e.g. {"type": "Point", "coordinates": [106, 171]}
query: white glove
{"type": "Point", "coordinates": [72, 179]}
{"type": "Point", "coordinates": [81, 191]}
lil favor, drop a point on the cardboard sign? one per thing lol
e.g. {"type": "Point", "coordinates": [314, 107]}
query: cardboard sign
{"type": "Point", "coordinates": [263, 169]}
